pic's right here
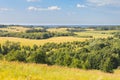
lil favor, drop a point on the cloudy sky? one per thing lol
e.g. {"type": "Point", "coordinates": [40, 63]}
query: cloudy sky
{"type": "Point", "coordinates": [59, 11]}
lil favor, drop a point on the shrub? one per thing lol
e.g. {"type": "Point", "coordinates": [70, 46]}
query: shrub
{"type": "Point", "coordinates": [16, 56]}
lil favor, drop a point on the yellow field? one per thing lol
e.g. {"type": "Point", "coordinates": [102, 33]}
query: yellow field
{"type": "Point", "coordinates": [15, 29]}
{"type": "Point", "coordinates": [41, 42]}
{"type": "Point", "coordinates": [30, 71]}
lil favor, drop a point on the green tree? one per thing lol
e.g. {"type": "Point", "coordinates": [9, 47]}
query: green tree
{"type": "Point", "coordinates": [37, 57]}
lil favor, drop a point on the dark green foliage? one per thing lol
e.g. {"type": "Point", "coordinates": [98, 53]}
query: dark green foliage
{"type": "Point", "coordinates": [37, 57]}
{"type": "Point", "coordinates": [16, 56]}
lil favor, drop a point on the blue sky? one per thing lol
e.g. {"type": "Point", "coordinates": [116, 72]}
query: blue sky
{"type": "Point", "coordinates": [60, 12]}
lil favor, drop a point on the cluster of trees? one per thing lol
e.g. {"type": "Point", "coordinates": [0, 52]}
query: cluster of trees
{"type": "Point", "coordinates": [100, 54]}
{"type": "Point", "coordinates": [29, 35]}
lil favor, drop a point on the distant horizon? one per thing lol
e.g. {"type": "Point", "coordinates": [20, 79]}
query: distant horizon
{"type": "Point", "coordinates": [62, 24]}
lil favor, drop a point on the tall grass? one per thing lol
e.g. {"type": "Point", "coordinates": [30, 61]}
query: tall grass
{"type": "Point", "coordinates": [30, 71]}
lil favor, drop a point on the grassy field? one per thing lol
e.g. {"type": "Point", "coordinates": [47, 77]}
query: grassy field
{"type": "Point", "coordinates": [30, 71]}
{"type": "Point", "coordinates": [41, 42]}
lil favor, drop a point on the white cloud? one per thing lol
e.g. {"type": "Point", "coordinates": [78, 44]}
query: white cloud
{"type": "Point", "coordinates": [104, 2]}
{"type": "Point", "coordinates": [32, 0]}
{"type": "Point", "coordinates": [4, 9]}
{"type": "Point", "coordinates": [51, 8]}
{"type": "Point", "coordinates": [81, 6]}
{"type": "Point", "coordinates": [54, 8]}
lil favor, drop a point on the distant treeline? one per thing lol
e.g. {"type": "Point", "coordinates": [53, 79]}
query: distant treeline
{"type": "Point", "coordinates": [100, 54]}
{"type": "Point", "coordinates": [31, 35]}
{"type": "Point", "coordinates": [106, 27]}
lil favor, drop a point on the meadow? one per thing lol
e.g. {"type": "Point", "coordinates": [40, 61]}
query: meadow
{"type": "Point", "coordinates": [32, 71]}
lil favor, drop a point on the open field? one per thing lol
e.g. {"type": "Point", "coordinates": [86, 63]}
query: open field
{"type": "Point", "coordinates": [29, 71]}
{"type": "Point", "coordinates": [41, 42]}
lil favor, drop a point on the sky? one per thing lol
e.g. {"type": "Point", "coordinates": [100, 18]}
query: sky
{"type": "Point", "coordinates": [82, 12]}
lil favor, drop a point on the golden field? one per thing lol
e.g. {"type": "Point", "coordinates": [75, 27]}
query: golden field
{"type": "Point", "coordinates": [30, 71]}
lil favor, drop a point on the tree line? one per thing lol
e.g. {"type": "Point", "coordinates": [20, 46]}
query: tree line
{"type": "Point", "coordinates": [100, 54]}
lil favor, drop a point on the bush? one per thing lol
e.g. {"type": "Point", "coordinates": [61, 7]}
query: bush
{"type": "Point", "coordinates": [37, 57]}
{"type": "Point", "coordinates": [16, 56]}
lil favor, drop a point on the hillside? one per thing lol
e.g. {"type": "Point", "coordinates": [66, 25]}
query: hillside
{"type": "Point", "coordinates": [23, 71]}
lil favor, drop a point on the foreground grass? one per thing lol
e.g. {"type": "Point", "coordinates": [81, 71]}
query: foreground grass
{"type": "Point", "coordinates": [22, 71]}
{"type": "Point", "coordinates": [31, 42]}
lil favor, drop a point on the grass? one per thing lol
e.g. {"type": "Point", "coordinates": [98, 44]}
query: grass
{"type": "Point", "coordinates": [41, 42]}
{"type": "Point", "coordinates": [30, 71]}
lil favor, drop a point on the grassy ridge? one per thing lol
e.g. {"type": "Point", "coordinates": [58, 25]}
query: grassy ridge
{"type": "Point", "coordinates": [22, 71]}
